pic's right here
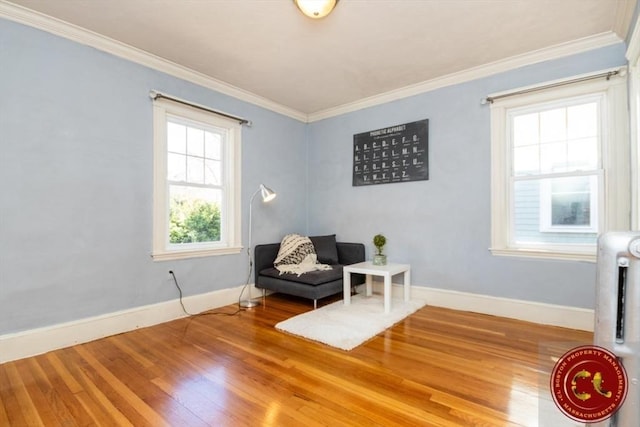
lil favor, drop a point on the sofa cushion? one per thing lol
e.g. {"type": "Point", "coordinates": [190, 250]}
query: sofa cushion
{"type": "Point", "coordinates": [311, 278]}
{"type": "Point", "coordinates": [326, 248]}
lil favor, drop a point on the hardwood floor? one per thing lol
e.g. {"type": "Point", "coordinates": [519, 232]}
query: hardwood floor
{"type": "Point", "coordinates": [439, 367]}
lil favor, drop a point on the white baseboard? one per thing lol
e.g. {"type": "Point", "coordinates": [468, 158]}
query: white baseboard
{"type": "Point", "coordinates": [530, 311]}
{"type": "Point", "coordinates": [41, 340]}
{"type": "Point", "coordinates": [37, 341]}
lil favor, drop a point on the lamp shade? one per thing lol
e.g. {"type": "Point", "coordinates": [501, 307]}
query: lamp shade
{"type": "Point", "coordinates": [267, 193]}
{"type": "Point", "coordinates": [316, 9]}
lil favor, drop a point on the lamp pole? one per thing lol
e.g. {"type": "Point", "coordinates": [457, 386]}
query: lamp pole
{"type": "Point", "coordinates": [267, 196]}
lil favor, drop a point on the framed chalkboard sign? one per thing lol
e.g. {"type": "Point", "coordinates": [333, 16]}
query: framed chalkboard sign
{"type": "Point", "coordinates": [393, 154]}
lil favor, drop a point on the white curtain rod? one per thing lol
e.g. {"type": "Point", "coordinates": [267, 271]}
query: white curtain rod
{"type": "Point", "coordinates": [607, 75]}
{"type": "Point", "coordinates": [155, 95]}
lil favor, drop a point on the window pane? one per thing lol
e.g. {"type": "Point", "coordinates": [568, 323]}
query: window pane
{"type": "Point", "coordinates": [582, 121]}
{"type": "Point", "coordinates": [525, 130]}
{"type": "Point", "coordinates": [526, 211]}
{"type": "Point", "coordinates": [213, 172]}
{"type": "Point", "coordinates": [212, 146]}
{"type": "Point", "coordinates": [526, 160]}
{"type": "Point", "coordinates": [583, 154]}
{"type": "Point", "coordinates": [195, 170]}
{"type": "Point", "coordinates": [194, 214]}
{"type": "Point", "coordinates": [176, 137]}
{"type": "Point", "coordinates": [195, 142]}
{"type": "Point", "coordinates": [176, 167]}
{"type": "Point", "coordinates": [553, 157]}
{"type": "Point", "coordinates": [553, 125]}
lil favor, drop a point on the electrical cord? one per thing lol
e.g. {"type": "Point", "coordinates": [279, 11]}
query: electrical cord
{"type": "Point", "coordinates": [180, 292]}
{"type": "Point", "coordinates": [204, 313]}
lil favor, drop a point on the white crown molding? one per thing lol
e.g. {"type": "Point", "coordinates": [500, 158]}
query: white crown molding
{"type": "Point", "coordinates": [546, 54]}
{"type": "Point", "coordinates": [80, 35]}
{"type": "Point", "coordinates": [83, 36]}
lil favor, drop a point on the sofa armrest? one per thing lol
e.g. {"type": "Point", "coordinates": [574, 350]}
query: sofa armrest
{"type": "Point", "coordinates": [350, 253]}
{"type": "Point", "coordinates": [264, 256]}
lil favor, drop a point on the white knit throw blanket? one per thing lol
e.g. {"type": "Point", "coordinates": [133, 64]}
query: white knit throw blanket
{"type": "Point", "coordinates": [298, 256]}
{"type": "Point", "coordinates": [309, 263]}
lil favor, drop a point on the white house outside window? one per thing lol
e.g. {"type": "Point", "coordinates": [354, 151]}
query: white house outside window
{"type": "Point", "coordinates": [196, 182]}
{"type": "Point", "coordinates": [559, 169]}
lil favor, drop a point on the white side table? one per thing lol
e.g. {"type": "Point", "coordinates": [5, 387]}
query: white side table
{"type": "Point", "coordinates": [386, 271]}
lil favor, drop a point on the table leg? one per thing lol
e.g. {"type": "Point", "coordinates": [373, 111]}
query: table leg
{"type": "Point", "coordinates": [387, 293]}
{"type": "Point", "coordinates": [407, 285]}
{"type": "Point", "coordinates": [346, 287]}
{"type": "Point", "coordinates": [369, 285]}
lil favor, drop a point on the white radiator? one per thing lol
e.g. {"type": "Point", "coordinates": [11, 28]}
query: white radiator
{"type": "Point", "coordinates": [617, 314]}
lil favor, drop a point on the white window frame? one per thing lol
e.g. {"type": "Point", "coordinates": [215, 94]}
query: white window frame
{"type": "Point", "coordinates": [614, 186]}
{"type": "Point", "coordinates": [230, 233]}
{"type": "Point", "coordinates": [633, 56]}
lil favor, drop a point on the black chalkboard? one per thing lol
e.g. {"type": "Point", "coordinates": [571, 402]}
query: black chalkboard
{"type": "Point", "coordinates": [393, 154]}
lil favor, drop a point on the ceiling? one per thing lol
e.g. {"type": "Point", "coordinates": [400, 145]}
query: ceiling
{"type": "Point", "coordinates": [363, 49]}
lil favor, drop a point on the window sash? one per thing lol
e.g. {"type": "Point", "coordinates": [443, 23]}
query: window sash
{"type": "Point", "coordinates": [538, 148]}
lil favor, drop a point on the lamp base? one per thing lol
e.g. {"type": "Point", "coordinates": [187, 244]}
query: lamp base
{"type": "Point", "coordinates": [249, 303]}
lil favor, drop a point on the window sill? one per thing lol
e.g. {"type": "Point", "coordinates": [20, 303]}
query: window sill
{"type": "Point", "coordinates": [544, 254]}
{"type": "Point", "coordinates": [194, 253]}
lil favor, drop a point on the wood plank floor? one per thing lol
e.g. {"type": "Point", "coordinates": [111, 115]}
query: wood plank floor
{"type": "Point", "coordinates": [438, 367]}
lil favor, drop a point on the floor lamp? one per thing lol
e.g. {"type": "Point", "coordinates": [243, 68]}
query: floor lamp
{"type": "Point", "coordinates": [267, 195]}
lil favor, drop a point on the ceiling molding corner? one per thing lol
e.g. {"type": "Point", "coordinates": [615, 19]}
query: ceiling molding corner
{"type": "Point", "coordinates": [633, 48]}
{"type": "Point", "coordinates": [623, 17]}
{"type": "Point", "coordinates": [529, 58]}
{"type": "Point", "coordinates": [86, 37]}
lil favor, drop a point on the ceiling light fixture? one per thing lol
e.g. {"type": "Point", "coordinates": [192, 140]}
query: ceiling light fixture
{"type": "Point", "coordinates": [316, 9]}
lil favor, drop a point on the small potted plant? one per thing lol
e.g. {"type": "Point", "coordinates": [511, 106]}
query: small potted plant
{"type": "Point", "coordinates": [379, 241]}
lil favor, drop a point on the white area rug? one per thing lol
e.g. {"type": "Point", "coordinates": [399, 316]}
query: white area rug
{"type": "Point", "coordinates": [347, 327]}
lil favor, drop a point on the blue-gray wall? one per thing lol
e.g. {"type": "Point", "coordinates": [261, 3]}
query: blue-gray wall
{"type": "Point", "coordinates": [76, 186]}
{"type": "Point", "coordinates": [442, 226]}
{"type": "Point", "coordinates": [76, 183]}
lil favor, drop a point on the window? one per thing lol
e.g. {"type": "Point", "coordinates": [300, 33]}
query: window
{"type": "Point", "coordinates": [196, 182]}
{"type": "Point", "coordinates": [559, 169]}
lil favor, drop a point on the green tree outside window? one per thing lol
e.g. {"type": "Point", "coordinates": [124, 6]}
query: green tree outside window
{"type": "Point", "coordinates": [193, 221]}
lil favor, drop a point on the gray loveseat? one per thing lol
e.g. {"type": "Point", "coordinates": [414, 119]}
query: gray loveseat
{"type": "Point", "coordinates": [315, 284]}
